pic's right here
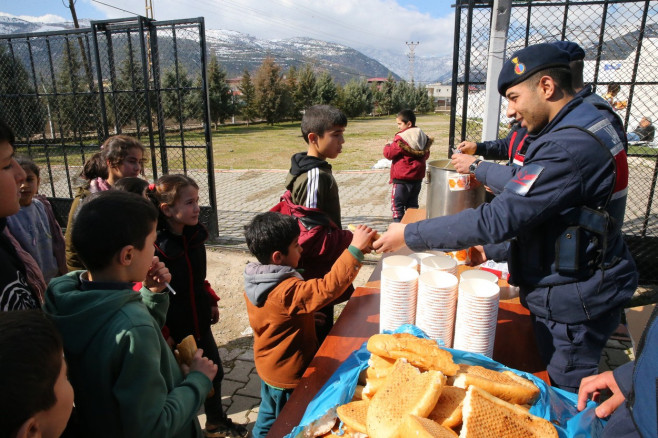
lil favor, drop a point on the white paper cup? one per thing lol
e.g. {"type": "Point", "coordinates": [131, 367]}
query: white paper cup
{"type": "Point", "coordinates": [439, 263]}
{"type": "Point", "coordinates": [399, 261]}
{"type": "Point", "coordinates": [478, 274]}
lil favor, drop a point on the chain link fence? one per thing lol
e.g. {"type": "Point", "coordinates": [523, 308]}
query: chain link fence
{"type": "Point", "coordinates": [65, 92]}
{"type": "Point", "coordinates": [620, 39]}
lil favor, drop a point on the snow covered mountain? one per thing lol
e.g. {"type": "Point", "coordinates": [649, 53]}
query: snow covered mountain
{"type": "Point", "coordinates": [237, 51]}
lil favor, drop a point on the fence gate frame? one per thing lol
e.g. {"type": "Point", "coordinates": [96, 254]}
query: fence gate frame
{"type": "Point", "coordinates": [97, 47]}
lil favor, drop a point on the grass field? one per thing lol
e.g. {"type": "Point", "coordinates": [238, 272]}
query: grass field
{"type": "Point", "coordinates": [270, 147]}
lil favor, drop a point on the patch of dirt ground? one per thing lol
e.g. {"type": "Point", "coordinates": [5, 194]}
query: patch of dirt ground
{"type": "Point", "coordinates": [225, 268]}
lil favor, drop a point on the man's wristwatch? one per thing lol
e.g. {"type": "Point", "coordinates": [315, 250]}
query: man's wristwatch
{"type": "Point", "coordinates": [474, 165]}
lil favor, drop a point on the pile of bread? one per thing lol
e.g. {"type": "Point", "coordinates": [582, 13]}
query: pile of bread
{"type": "Point", "coordinates": [412, 388]}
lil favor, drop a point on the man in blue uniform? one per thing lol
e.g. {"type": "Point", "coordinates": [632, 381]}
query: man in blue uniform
{"type": "Point", "coordinates": [555, 222]}
{"type": "Point", "coordinates": [513, 147]}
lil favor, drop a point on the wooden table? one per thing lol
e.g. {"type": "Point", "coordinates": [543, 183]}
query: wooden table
{"type": "Point", "coordinates": [514, 345]}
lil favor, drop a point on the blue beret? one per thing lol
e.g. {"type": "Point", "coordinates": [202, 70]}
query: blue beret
{"type": "Point", "coordinates": [576, 53]}
{"type": "Point", "coordinates": [529, 61]}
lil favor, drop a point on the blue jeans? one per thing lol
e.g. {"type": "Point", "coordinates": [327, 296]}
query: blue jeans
{"type": "Point", "coordinates": [631, 136]}
{"type": "Point", "coordinates": [271, 403]}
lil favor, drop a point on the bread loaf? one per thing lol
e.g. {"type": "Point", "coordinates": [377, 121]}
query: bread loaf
{"type": "Point", "coordinates": [405, 391]}
{"type": "Point", "coordinates": [486, 416]}
{"type": "Point", "coordinates": [353, 414]}
{"type": "Point", "coordinates": [506, 385]}
{"type": "Point", "coordinates": [422, 353]}
{"type": "Point", "coordinates": [184, 354]}
{"type": "Point", "coordinates": [448, 409]}
{"type": "Point", "coordinates": [414, 426]}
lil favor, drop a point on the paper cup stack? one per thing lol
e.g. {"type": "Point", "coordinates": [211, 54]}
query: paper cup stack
{"type": "Point", "coordinates": [438, 263]}
{"type": "Point", "coordinates": [399, 261]}
{"type": "Point", "coordinates": [437, 303]}
{"type": "Point", "coordinates": [477, 316]}
{"type": "Point", "coordinates": [399, 288]}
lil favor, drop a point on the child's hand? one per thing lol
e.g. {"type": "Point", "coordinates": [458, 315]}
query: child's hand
{"type": "Point", "coordinates": [201, 364]}
{"type": "Point", "coordinates": [214, 315]}
{"type": "Point", "coordinates": [362, 237]}
{"type": "Point", "coordinates": [157, 276]}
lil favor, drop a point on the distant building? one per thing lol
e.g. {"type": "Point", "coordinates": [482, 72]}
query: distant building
{"type": "Point", "coordinates": [440, 94]}
{"type": "Point", "coordinates": [378, 81]}
{"type": "Point", "coordinates": [234, 83]}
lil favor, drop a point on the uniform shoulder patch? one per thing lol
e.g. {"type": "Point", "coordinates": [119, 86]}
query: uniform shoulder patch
{"type": "Point", "coordinates": [524, 179]}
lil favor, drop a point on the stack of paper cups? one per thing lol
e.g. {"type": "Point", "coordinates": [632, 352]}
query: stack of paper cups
{"type": "Point", "coordinates": [437, 303]}
{"type": "Point", "coordinates": [438, 263]}
{"type": "Point", "coordinates": [477, 316]}
{"type": "Point", "coordinates": [399, 288]}
{"type": "Point", "coordinates": [399, 261]}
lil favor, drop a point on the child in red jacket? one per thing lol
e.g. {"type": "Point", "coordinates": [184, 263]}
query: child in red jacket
{"type": "Point", "coordinates": [408, 152]}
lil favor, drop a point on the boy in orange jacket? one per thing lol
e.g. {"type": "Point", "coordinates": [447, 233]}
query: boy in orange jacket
{"type": "Point", "coordinates": [280, 305]}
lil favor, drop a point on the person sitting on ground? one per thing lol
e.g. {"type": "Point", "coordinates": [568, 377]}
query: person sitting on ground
{"type": "Point", "coordinates": [633, 404]}
{"type": "Point", "coordinates": [281, 305]}
{"type": "Point", "coordinates": [37, 398]}
{"type": "Point", "coordinates": [126, 379]}
{"type": "Point", "coordinates": [16, 293]}
{"type": "Point", "coordinates": [645, 131]}
{"type": "Point", "coordinates": [120, 156]}
{"type": "Point", "coordinates": [408, 152]}
{"type": "Point", "coordinates": [35, 227]}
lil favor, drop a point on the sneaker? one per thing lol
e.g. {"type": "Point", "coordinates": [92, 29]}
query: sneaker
{"type": "Point", "coordinates": [227, 429]}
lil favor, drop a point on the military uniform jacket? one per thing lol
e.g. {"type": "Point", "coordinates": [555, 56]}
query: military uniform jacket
{"type": "Point", "coordinates": [565, 168]}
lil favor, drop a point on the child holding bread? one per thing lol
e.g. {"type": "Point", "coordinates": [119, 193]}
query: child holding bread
{"type": "Point", "coordinates": [180, 244]}
{"type": "Point", "coordinates": [127, 382]}
{"type": "Point", "coordinates": [281, 305]}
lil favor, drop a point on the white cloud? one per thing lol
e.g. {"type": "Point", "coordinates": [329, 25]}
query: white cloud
{"type": "Point", "coordinates": [361, 24]}
{"type": "Point", "coordinates": [47, 18]}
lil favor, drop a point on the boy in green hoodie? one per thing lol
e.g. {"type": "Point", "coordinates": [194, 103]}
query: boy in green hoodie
{"type": "Point", "coordinates": [127, 382]}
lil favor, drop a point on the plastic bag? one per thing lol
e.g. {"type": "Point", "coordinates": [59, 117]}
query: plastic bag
{"type": "Point", "coordinates": [553, 404]}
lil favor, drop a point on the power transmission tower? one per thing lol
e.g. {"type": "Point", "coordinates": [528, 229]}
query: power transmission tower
{"type": "Point", "coordinates": [412, 57]}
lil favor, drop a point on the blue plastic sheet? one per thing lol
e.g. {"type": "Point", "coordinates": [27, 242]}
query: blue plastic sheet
{"type": "Point", "coordinates": [553, 404]}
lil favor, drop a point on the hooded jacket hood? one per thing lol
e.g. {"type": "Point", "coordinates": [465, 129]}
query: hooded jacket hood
{"type": "Point", "coordinates": [259, 280]}
{"type": "Point", "coordinates": [416, 139]}
{"type": "Point", "coordinates": [302, 162]}
{"type": "Point", "coordinates": [79, 315]}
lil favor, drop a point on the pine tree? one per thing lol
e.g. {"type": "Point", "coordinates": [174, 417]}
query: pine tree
{"type": "Point", "coordinates": [424, 103]}
{"type": "Point", "coordinates": [77, 108]}
{"type": "Point", "coordinates": [357, 98]}
{"type": "Point", "coordinates": [19, 106]}
{"type": "Point", "coordinates": [384, 96]}
{"type": "Point", "coordinates": [248, 98]}
{"type": "Point", "coordinates": [326, 89]}
{"type": "Point", "coordinates": [128, 96]}
{"type": "Point", "coordinates": [293, 108]}
{"type": "Point", "coordinates": [219, 93]}
{"type": "Point", "coordinates": [306, 93]}
{"type": "Point", "coordinates": [178, 101]}
{"type": "Point", "coordinates": [270, 90]}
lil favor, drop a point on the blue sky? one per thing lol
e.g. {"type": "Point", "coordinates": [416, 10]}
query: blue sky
{"type": "Point", "coordinates": [382, 25]}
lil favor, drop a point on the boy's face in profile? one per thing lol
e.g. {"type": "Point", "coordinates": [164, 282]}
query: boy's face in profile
{"type": "Point", "coordinates": [402, 125]}
{"type": "Point", "coordinates": [327, 146]}
{"type": "Point", "coordinates": [53, 421]}
{"type": "Point", "coordinates": [11, 178]}
{"type": "Point", "coordinates": [142, 259]}
{"type": "Point", "coordinates": [294, 254]}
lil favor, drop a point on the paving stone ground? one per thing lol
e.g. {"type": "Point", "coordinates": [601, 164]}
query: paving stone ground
{"type": "Point", "coordinates": [364, 199]}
